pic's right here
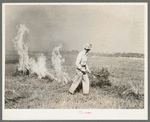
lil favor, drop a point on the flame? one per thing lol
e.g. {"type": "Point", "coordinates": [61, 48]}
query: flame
{"type": "Point", "coordinates": [25, 62]}
{"type": "Point", "coordinates": [22, 48]}
{"type": "Point", "coordinates": [39, 66]}
{"type": "Point", "coordinates": [57, 61]}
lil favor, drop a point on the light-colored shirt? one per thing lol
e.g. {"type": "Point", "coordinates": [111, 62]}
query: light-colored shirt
{"type": "Point", "coordinates": [82, 60]}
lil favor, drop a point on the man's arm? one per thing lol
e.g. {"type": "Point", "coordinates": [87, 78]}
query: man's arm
{"type": "Point", "coordinates": [87, 68]}
{"type": "Point", "coordinates": [78, 60]}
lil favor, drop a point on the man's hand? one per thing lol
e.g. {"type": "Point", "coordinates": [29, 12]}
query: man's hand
{"type": "Point", "coordinates": [89, 71]}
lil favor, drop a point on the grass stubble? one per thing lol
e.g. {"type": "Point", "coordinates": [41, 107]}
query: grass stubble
{"type": "Point", "coordinates": [120, 86]}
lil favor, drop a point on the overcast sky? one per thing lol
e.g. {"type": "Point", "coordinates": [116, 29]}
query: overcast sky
{"type": "Point", "coordinates": [110, 28]}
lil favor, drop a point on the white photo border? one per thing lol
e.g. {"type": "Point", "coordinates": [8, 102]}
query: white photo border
{"type": "Point", "coordinates": [73, 114]}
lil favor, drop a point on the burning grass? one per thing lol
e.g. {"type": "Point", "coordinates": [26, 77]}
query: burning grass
{"type": "Point", "coordinates": [123, 93]}
{"type": "Point", "coordinates": [29, 66]}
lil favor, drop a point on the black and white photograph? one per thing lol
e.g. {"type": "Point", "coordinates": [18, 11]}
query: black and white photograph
{"type": "Point", "coordinates": [74, 61]}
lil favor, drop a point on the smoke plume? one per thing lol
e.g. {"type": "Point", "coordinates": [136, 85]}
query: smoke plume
{"type": "Point", "coordinates": [22, 48]}
{"type": "Point", "coordinates": [57, 61]}
{"type": "Point", "coordinates": [38, 66]}
{"type": "Point", "coordinates": [25, 62]}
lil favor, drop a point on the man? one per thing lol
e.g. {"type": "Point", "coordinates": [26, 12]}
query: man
{"type": "Point", "coordinates": [81, 72]}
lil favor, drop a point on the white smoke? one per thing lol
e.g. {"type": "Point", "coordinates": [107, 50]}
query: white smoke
{"type": "Point", "coordinates": [39, 66]}
{"type": "Point", "coordinates": [22, 48]}
{"type": "Point", "coordinates": [25, 62]}
{"type": "Point", "coordinates": [57, 61]}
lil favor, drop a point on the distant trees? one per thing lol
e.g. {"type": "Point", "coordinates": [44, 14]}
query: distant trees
{"type": "Point", "coordinates": [137, 55]}
{"type": "Point", "coordinates": [12, 56]}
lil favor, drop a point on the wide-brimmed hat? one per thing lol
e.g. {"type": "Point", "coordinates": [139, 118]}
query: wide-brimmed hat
{"type": "Point", "coordinates": [88, 46]}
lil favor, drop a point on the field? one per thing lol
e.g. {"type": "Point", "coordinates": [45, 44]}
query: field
{"type": "Point", "coordinates": [126, 90]}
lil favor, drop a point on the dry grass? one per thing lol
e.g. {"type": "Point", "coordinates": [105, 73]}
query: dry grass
{"type": "Point", "coordinates": [126, 91]}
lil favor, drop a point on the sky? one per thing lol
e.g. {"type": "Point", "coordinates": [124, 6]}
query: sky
{"type": "Point", "coordinates": [109, 28]}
